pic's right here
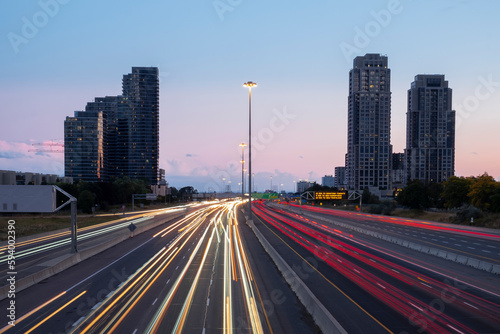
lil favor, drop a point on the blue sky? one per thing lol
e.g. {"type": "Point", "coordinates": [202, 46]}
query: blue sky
{"type": "Point", "coordinates": [299, 53]}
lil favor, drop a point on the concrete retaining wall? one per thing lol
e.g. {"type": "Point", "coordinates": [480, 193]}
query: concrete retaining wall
{"type": "Point", "coordinates": [323, 318]}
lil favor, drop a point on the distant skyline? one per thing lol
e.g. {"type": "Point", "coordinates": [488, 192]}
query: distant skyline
{"type": "Point", "coordinates": [58, 55]}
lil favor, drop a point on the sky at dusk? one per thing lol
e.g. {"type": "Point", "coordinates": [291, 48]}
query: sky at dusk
{"type": "Point", "coordinates": [57, 55]}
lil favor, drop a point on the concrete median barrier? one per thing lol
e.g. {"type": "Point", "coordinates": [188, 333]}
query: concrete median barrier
{"type": "Point", "coordinates": [323, 318]}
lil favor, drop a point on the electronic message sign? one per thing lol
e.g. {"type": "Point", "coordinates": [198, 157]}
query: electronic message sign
{"type": "Point", "coordinates": [329, 195]}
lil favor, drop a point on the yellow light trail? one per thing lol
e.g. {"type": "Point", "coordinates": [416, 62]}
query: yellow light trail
{"type": "Point", "coordinates": [3, 330]}
{"type": "Point", "coordinates": [160, 313]}
{"type": "Point", "coordinates": [108, 308]}
{"type": "Point", "coordinates": [124, 311]}
{"type": "Point", "coordinates": [187, 304]}
{"type": "Point", "coordinates": [55, 312]}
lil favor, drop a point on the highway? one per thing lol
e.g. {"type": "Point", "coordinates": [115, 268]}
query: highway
{"type": "Point", "coordinates": [377, 287]}
{"type": "Point", "coordinates": [36, 253]}
{"type": "Point", "coordinates": [203, 273]}
{"type": "Point", "coordinates": [206, 272]}
{"type": "Point", "coordinates": [480, 243]}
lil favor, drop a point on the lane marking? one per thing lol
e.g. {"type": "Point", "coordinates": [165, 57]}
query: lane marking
{"type": "Point", "coordinates": [470, 305]}
{"type": "Point", "coordinates": [415, 306]}
{"type": "Point", "coordinates": [454, 328]}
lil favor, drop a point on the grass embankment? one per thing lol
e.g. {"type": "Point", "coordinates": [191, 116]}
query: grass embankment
{"type": "Point", "coordinates": [489, 220]}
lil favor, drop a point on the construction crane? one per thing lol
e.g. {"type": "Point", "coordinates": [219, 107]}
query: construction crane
{"type": "Point", "coordinates": [53, 147]}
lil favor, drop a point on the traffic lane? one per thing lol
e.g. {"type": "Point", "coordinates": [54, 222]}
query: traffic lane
{"type": "Point", "coordinates": [153, 296]}
{"type": "Point", "coordinates": [469, 244]}
{"type": "Point", "coordinates": [146, 306]}
{"type": "Point", "coordinates": [482, 232]}
{"type": "Point", "coordinates": [480, 280]}
{"type": "Point", "coordinates": [355, 309]}
{"type": "Point", "coordinates": [284, 311]}
{"type": "Point", "coordinates": [455, 309]}
{"type": "Point", "coordinates": [44, 256]}
{"type": "Point", "coordinates": [34, 245]}
{"type": "Point", "coordinates": [100, 284]}
{"type": "Point", "coordinates": [486, 234]}
{"type": "Point", "coordinates": [205, 314]}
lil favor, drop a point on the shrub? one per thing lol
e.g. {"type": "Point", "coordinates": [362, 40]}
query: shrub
{"type": "Point", "coordinates": [385, 208]}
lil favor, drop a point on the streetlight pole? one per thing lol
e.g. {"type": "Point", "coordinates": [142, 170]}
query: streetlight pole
{"type": "Point", "coordinates": [243, 170]}
{"type": "Point", "coordinates": [249, 85]}
{"type": "Point", "coordinates": [253, 175]}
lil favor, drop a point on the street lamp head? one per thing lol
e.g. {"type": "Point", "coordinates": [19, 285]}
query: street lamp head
{"type": "Point", "coordinates": [250, 84]}
{"type": "Point", "coordinates": [243, 145]}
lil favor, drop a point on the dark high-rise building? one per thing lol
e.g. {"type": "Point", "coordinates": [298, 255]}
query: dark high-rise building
{"type": "Point", "coordinates": [369, 124]}
{"type": "Point", "coordinates": [84, 146]}
{"type": "Point", "coordinates": [130, 129]}
{"type": "Point", "coordinates": [138, 125]}
{"type": "Point", "coordinates": [108, 106]}
{"type": "Point", "coordinates": [430, 130]}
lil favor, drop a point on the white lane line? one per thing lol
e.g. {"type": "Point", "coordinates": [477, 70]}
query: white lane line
{"type": "Point", "coordinates": [383, 287]}
{"type": "Point", "coordinates": [470, 305]}
{"type": "Point", "coordinates": [208, 301]}
{"type": "Point", "coordinates": [109, 265]}
{"type": "Point", "coordinates": [486, 251]}
{"type": "Point", "coordinates": [490, 246]}
{"type": "Point", "coordinates": [445, 242]}
{"type": "Point", "coordinates": [471, 247]}
{"type": "Point", "coordinates": [154, 301]}
{"type": "Point", "coordinates": [176, 267]}
{"type": "Point", "coordinates": [415, 306]}
{"type": "Point", "coordinates": [454, 329]}
{"type": "Point", "coordinates": [135, 331]}
{"type": "Point", "coordinates": [434, 239]}
{"type": "Point", "coordinates": [395, 271]}
{"type": "Point", "coordinates": [168, 281]}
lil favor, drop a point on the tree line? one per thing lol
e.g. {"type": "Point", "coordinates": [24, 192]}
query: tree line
{"type": "Point", "coordinates": [481, 192]}
{"type": "Point", "coordinates": [118, 191]}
